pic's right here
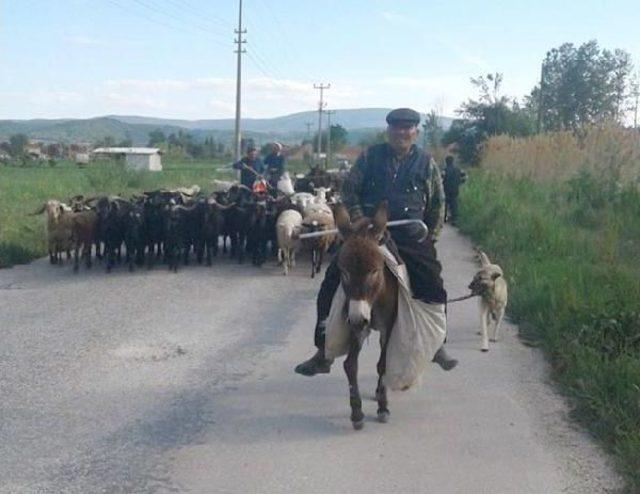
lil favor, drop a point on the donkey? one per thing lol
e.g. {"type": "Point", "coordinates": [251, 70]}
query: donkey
{"type": "Point", "coordinates": [372, 300]}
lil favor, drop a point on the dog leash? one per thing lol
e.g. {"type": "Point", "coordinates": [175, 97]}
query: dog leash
{"type": "Point", "coordinates": [459, 299]}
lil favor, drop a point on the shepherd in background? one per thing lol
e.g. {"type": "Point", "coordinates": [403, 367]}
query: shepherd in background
{"type": "Point", "coordinates": [453, 178]}
{"type": "Point", "coordinates": [274, 163]}
{"type": "Point", "coordinates": [250, 166]}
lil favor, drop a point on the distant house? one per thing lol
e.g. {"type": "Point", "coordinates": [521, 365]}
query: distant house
{"type": "Point", "coordinates": [135, 158]}
{"type": "Point", "coordinates": [34, 151]}
{"type": "Point", "coordinates": [81, 159]}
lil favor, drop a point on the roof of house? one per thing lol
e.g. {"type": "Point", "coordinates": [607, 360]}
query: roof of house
{"type": "Point", "coordinates": [126, 150]}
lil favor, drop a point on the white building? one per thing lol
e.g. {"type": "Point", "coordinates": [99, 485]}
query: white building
{"type": "Point", "coordinates": [135, 158]}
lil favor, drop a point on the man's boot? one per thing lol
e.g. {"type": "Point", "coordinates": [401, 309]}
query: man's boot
{"type": "Point", "coordinates": [444, 360]}
{"type": "Point", "coordinates": [317, 364]}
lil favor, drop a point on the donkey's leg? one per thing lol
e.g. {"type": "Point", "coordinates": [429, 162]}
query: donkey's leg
{"type": "Point", "coordinates": [381, 390]}
{"type": "Point", "coordinates": [351, 369]}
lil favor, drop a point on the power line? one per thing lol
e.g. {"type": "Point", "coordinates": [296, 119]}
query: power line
{"type": "Point", "coordinates": [259, 65]}
{"type": "Point", "coordinates": [156, 10]}
{"type": "Point", "coordinates": [208, 16]}
{"type": "Point", "coordinates": [162, 23]}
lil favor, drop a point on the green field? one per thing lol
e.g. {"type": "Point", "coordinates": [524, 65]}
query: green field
{"type": "Point", "coordinates": [570, 253]}
{"type": "Point", "coordinates": [24, 189]}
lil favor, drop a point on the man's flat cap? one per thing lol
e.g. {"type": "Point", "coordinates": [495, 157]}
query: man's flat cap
{"type": "Point", "coordinates": [403, 115]}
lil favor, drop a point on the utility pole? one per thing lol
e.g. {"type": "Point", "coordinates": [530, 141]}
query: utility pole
{"type": "Point", "coordinates": [321, 106]}
{"type": "Point", "coordinates": [308, 124]}
{"type": "Point", "coordinates": [239, 41]}
{"type": "Point", "coordinates": [329, 113]}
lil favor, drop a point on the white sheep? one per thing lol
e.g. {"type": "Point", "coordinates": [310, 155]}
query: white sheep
{"type": "Point", "coordinates": [302, 199]}
{"type": "Point", "coordinates": [317, 208]}
{"type": "Point", "coordinates": [288, 227]}
{"type": "Point", "coordinates": [321, 195]}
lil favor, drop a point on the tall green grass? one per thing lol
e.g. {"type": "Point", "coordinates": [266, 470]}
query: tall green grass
{"type": "Point", "coordinates": [24, 189]}
{"type": "Point", "coordinates": [570, 251]}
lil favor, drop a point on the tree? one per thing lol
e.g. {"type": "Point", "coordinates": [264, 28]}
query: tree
{"type": "Point", "coordinates": [17, 145]}
{"type": "Point", "coordinates": [491, 114]}
{"type": "Point", "coordinates": [634, 97]}
{"type": "Point", "coordinates": [156, 137]}
{"type": "Point", "coordinates": [581, 86]}
{"type": "Point", "coordinates": [433, 131]}
{"type": "Point", "coordinates": [106, 142]}
{"type": "Point", "coordinates": [339, 138]}
{"type": "Point", "coordinates": [373, 138]}
{"type": "Point", "coordinates": [54, 150]}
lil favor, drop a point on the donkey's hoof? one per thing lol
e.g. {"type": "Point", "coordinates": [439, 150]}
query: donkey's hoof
{"type": "Point", "coordinates": [383, 417]}
{"type": "Point", "coordinates": [358, 425]}
{"type": "Point", "coordinates": [493, 340]}
{"type": "Point", "coordinates": [484, 349]}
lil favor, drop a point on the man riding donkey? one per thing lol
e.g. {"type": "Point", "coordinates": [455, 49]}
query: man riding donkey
{"type": "Point", "coordinates": [408, 179]}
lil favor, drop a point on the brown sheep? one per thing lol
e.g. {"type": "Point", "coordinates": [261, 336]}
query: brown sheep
{"type": "Point", "coordinates": [315, 222]}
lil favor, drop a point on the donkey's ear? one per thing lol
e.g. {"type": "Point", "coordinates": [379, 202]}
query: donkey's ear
{"type": "Point", "coordinates": [343, 221]}
{"type": "Point", "coordinates": [379, 223]}
{"type": "Point", "coordinates": [484, 259]}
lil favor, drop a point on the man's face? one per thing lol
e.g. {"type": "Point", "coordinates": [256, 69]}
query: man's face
{"type": "Point", "coordinates": [252, 154]}
{"type": "Point", "coordinates": [402, 135]}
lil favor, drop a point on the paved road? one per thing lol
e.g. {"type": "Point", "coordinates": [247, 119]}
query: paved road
{"type": "Point", "coordinates": [155, 382]}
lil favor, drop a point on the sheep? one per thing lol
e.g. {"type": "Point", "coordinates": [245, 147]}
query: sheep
{"type": "Point", "coordinates": [314, 222]}
{"type": "Point", "coordinates": [317, 208]}
{"type": "Point", "coordinates": [321, 195]}
{"type": "Point", "coordinates": [57, 231]}
{"type": "Point", "coordinates": [285, 185]}
{"type": "Point", "coordinates": [302, 199]}
{"type": "Point", "coordinates": [83, 226]}
{"type": "Point", "coordinates": [287, 227]}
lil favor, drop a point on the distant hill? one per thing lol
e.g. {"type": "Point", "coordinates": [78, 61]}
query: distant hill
{"type": "Point", "coordinates": [359, 118]}
{"type": "Point", "coordinates": [288, 128]}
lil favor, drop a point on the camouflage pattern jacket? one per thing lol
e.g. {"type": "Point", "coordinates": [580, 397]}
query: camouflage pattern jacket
{"type": "Point", "coordinates": [413, 186]}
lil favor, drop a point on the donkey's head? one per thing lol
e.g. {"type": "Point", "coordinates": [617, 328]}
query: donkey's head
{"type": "Point", "coordinates": [361, 262]}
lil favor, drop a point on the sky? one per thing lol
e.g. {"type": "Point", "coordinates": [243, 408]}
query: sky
{"type": "Point", "coordinates": [175, 58]}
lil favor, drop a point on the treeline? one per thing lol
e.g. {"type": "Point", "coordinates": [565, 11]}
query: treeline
{"type": "Point", "coordinates": [580, 86]}
{"type": "Point", "coordinates": [185, 144]}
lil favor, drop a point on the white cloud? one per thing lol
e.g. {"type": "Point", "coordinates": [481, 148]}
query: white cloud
{"type": "Point", "coordinates": [223, 107]}
{"type": "Point", "coordinates": [396, 18]}
{"type": "Point", "coordinates": [135, 102]}
{"type": "Point", "coordinates": [55, 97]}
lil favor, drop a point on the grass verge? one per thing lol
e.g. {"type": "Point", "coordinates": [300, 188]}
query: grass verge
{"type": "Point", "coordinates": [570, 253]}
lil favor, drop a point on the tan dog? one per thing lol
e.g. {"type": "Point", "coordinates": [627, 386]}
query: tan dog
{"type": "Point", "coordinates": [491, 285]}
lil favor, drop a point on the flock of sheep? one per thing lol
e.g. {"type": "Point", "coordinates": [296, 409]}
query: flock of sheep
{"type": "Point", "coordinates": [171, 226]}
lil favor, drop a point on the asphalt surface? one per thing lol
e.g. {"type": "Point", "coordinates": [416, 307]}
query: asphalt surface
{"type": "Point", "coordinates": [160, 382]}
